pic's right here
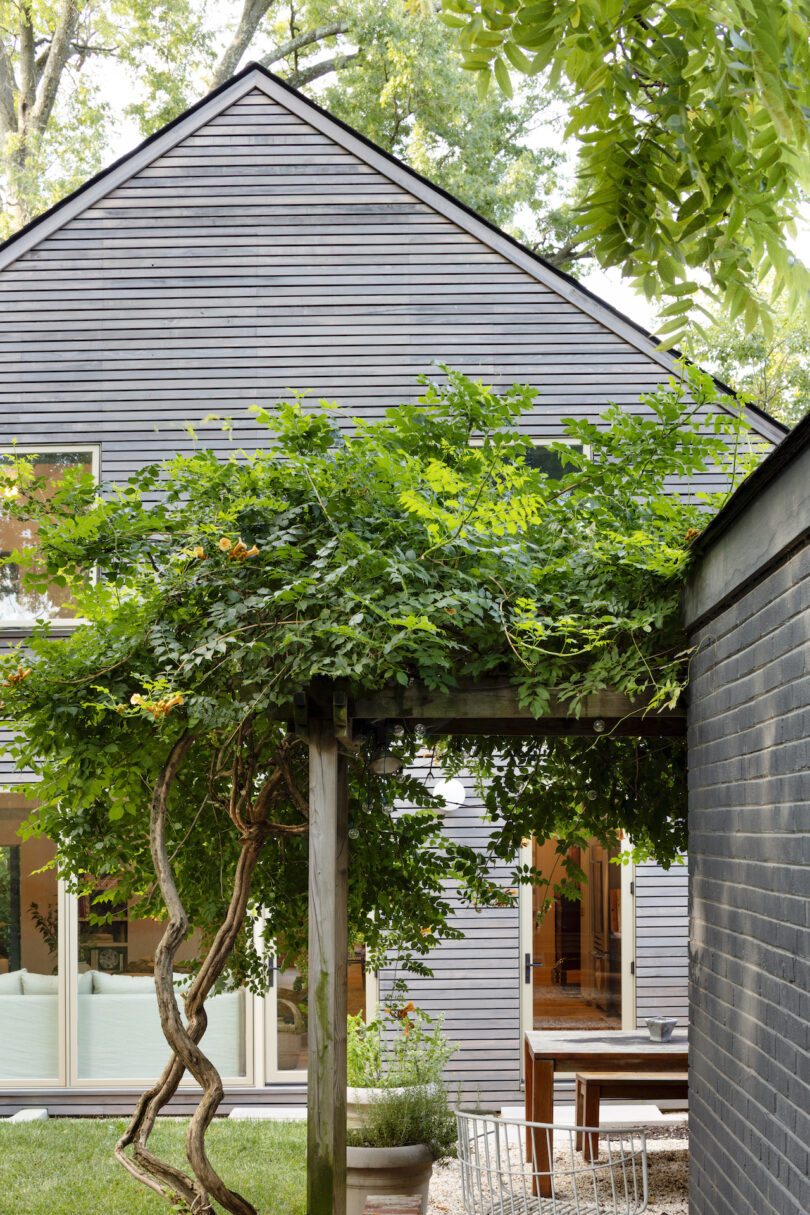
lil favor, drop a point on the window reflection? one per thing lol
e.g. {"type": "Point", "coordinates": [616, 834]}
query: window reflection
{"type": "Point", "coordinates": [552, 463]}
{"type": "Point", "coordinates": [292, 1008]}
{"type": "Point", "coordinates": [19, 605]}
{"type": "Point", "coordinates": [119, 1030]}
{"type": "Point", "coordinates": [29, 951]}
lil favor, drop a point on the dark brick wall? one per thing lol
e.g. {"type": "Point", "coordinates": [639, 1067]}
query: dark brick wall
{"type": "Point", "coordinates": [749, 854]}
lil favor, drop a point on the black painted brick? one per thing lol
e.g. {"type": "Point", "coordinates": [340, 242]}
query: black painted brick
{"type": "Point", "coordinates": [749, 854]}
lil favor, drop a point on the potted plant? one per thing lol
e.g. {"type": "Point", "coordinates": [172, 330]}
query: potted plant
{"type": "Point", "coordinates": [400, 1122]}
{"type": "Point", "coordinates": [404, 1050]}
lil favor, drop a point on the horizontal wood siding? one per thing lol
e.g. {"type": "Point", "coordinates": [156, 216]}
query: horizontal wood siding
{"type": "Point", "coordinates": [476, 983]}
{"type": "Point", "coordinates": [256, 256]}
{"type": "Point", "coordinates": [662, 942]}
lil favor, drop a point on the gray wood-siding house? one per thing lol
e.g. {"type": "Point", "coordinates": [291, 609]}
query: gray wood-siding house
{"type": "Point", "coordinates": [254, 246]}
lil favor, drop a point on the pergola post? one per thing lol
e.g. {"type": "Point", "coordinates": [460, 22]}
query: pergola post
{"type": "Point", "coordinates": [328, 952]}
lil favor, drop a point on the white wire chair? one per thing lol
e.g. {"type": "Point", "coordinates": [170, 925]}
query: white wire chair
{"type": "Point", "coordinates": [496, 1181]}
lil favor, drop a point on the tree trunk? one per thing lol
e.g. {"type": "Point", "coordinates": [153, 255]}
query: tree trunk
{"type": "Point", "coordinates": [13, 193]}
{"type": "Point", "coordinates": [166, 1180]}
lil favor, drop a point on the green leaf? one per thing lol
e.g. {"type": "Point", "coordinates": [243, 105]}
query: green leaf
{"type": "Point", "coordinates": [502, 77]}
{"type": "Point", "coordinates": [517, 58]}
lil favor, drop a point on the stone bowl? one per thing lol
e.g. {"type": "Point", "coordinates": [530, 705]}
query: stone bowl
{"type": "Point", "coordinates": [660, 1028]}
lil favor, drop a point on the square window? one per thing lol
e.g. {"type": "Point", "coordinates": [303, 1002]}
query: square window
{"type": "Point", "coordinates": [19, 605]}
{"type": "Point", "coordinates": [549, 462]}
{"type": "Point", "coordinates": [540, 456]}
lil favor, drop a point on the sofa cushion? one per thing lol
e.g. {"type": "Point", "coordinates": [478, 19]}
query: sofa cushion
{"type": "Point", "coordinates": [29, 1039]}
{"type": "Point", "coordinates": [39, 985]}
{"type": "Point", "coordinates": [121, 985]}
{"type": "Point", "coordinates": [120, 1036]}
{"type": "Point", "coordinates": [85, 984]}
{"type": "Point", "coordinates": [11, 983]}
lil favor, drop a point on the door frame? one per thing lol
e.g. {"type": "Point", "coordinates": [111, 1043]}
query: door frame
{"type": "Point", "coordinates": [628, 923]}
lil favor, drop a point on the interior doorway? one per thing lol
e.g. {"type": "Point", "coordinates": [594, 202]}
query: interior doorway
{"type": "Point", "coordinates": [574, 947]}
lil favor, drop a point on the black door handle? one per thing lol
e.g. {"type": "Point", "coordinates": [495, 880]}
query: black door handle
{"type": "Point", "coordinates": [529, 964]}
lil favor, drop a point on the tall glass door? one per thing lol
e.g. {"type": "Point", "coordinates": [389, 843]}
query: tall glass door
{"type": "Point", "coordinates": [287, 1011]}
{"type": "Point", "coordinates": [573, 949]}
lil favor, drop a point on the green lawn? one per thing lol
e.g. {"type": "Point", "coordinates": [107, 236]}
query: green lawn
{"type": "Point", "coordinates": [66, 1166]}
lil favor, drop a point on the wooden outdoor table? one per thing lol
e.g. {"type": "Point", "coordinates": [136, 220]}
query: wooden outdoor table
{"type": "Point", "coordinates": [550, 1051]}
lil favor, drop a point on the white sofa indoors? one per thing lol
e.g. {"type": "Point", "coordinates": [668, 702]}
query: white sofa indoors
{"type": "Point", "coordinates": [29, 1027]}
{"type": "Point", "coordinates": [118, 1028]}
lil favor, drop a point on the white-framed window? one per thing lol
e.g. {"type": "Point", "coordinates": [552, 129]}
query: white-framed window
{"type": "Point", "coordinates": [20, 607]}
{"type": "Point", "coordinates": [32, 956]}
{"type": "Point", "coordinates": [115, 1039]}
{"type": "Point", "coordinates": [287, 1013]}
{"type": "Point", "coordinates": [78, 1006]}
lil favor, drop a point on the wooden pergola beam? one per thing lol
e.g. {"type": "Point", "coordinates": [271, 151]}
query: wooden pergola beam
{"type": "Point", "coordinates": [492, 707]}
{"type": "Point", "coordinates": [327, 718]}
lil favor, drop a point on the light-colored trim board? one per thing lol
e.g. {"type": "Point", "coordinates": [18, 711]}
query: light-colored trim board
{"type": "Point", "coordinates": [525, 918]}
{"type": "Point", "coordinates": [628, 927]}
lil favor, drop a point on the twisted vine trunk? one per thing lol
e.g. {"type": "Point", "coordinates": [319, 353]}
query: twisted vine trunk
{"type": "Point", "coordinates": [194, 1192]}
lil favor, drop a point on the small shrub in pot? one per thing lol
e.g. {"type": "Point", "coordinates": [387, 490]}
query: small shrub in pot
{"type": "Point", "coordinates": [405, 1049]}
{"type": "Point", "coordinates": [406, 1123]}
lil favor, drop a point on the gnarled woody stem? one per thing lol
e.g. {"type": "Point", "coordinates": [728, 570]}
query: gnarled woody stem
{"type": "Point", "coordinates": [146, 1167]}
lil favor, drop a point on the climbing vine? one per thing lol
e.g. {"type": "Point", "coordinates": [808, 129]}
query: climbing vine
{"type": "Point", "coordinates": [420, 548]}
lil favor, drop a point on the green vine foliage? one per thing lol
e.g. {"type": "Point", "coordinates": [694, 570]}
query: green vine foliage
{"type": "Point", "coordinates": [397, 552]}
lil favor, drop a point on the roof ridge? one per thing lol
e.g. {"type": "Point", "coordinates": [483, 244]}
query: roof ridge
{"type": "Point", "coordinates": [254, 67]}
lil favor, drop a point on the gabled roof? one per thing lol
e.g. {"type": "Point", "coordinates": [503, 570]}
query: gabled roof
{"type": "Point", "coordinates": [256, 77]}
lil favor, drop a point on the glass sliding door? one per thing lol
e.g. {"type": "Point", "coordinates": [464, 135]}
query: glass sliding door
{"type": "Point", "coordinates": [291, 1014]}
{"type": "Point", "coordinates": [119, 1035]}
{"type": "Point", "coordinates": [574, 957]}
{"type": "Point", "coordinates": [31, 1024]}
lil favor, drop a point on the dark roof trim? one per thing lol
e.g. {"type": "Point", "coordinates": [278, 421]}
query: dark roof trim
{"type": "Point", "coordinates": [257, 67]}
{"type": "Point", "coordinates": [771, 467]}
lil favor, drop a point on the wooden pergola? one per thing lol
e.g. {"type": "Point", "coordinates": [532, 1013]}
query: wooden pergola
{"type": "Point", "coordinates": [332, 722]}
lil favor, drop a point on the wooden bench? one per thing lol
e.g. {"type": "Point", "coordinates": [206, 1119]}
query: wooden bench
{"type": "Point", "coordinates": [593, 1086]}
{"type": "Point", "coordinates": [393, 1204]}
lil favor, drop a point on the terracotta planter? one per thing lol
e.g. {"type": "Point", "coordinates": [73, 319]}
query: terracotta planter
{"type": "Point", "coordinates": [382, 1171]}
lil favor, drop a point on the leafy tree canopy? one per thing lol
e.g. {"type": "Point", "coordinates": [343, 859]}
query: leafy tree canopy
{"type": "Point", "coordinates": [398, 552]}
{"type": "Point", "coordinates": [390, 71]}
{"type": "Point", "coordinates": [693, 125]}
{"type": "Point", "coordinates": [409, 93]}
{"type": "Point", "coordinates": [772, 371]}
